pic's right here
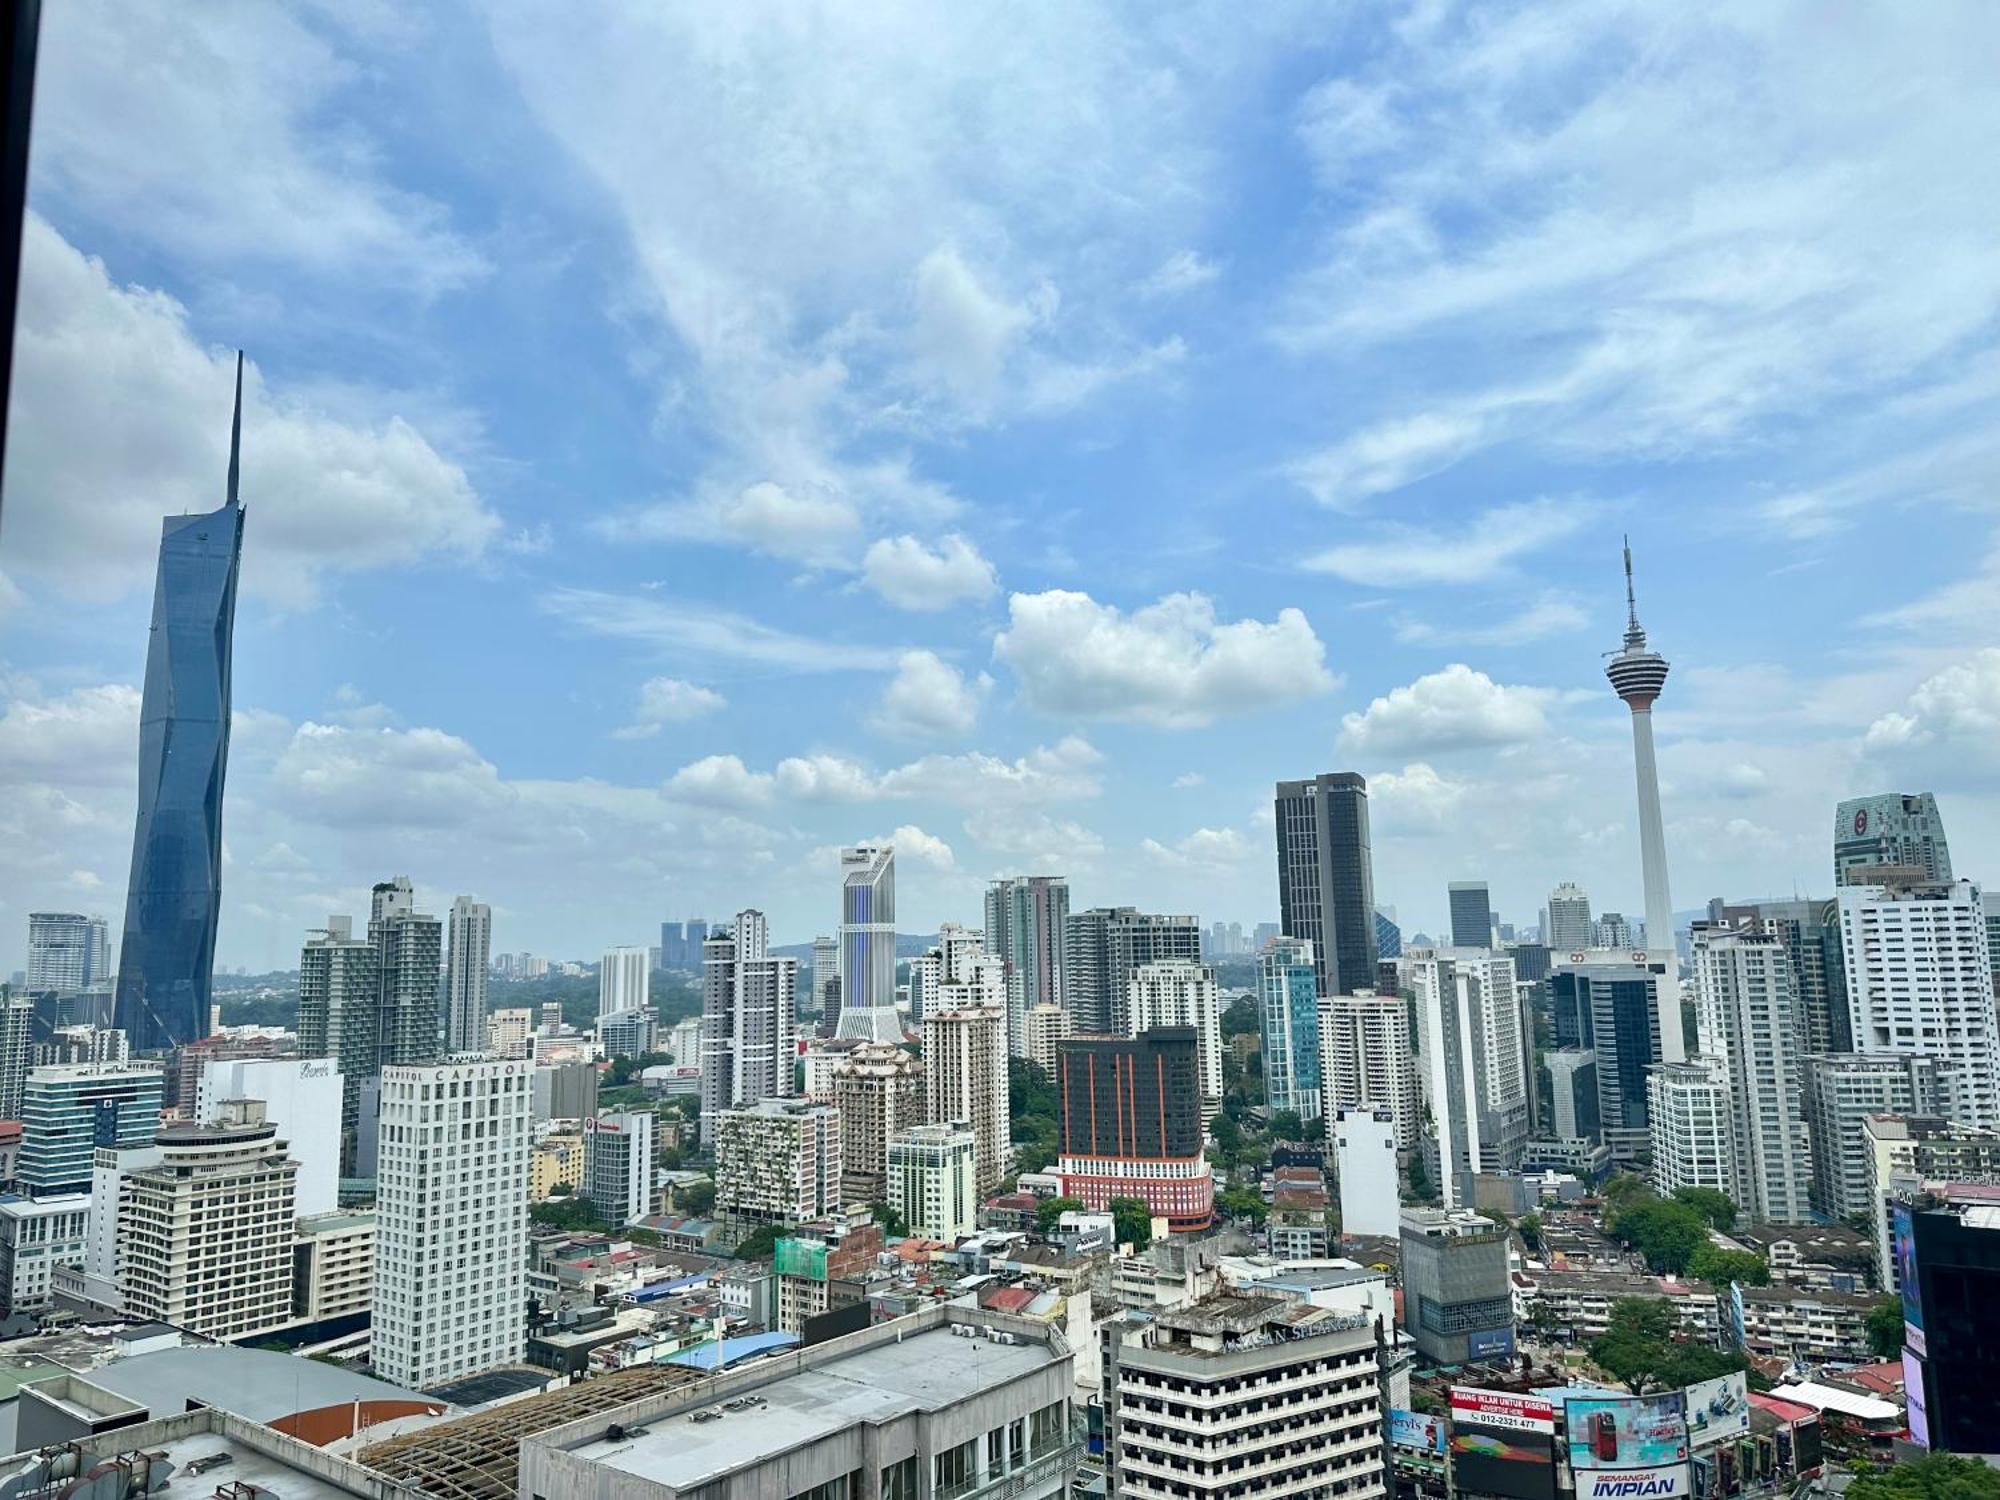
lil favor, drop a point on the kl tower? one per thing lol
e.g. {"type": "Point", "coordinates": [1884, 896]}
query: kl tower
{"type": "Point", "coordinates": [1637, 676]}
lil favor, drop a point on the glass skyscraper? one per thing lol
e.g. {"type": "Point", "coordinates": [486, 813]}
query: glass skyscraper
{"type": "Point", "coordinates": [1326, 882]}
{"type": "Point", "coordinates": [166, 964]}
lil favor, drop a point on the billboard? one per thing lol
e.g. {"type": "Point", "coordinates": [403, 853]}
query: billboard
{"type": "Point", "coordinates": [1902, 1236]}
{"type": "Point", "coordinates": [1491, 1343]}
{"type": "Point", "coordinates": [1413, 1429]}
{"type": "Point", "coordinates": [1630, 1447]}
{"type": "Point", "coordinates": [1718, 1410]}
{"type": "Point", "coordinates": [1503, 1444]}
{"type": "Point", "coordinates": [1916, 1399]}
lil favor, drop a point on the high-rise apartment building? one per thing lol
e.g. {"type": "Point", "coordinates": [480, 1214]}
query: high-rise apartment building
{"type": "Point", "coordinates": [1027, 918]}
{"type": "Point", "coordinates": [1747, 1015]}
{"type": "Point", "coordinates": [1810, 931]}
{"type": "Point", "coordinates": [166, 962]}
{"type": "Point", "coordinates": [826, 983]}
{"type": "Point", "coordinates": [1131, 1125]}
{"type": "Point", "coordinates": [626, 1033]}
{"type": "Point", "coordinates": [1471, 1021]}
{"type": "Point", "coordinates": [1047, 1027]}
{"type": "Point", "coordinates": [340, 997]}
{"type": "Point", "coordinates": [868, 943]}
{"type": "Point", "coordinates": [1302, 1387]}
{"type": "Point", "coordinates": [933, 1179]}
{"type": "Point", "coordinates": [624, 980]}
{"type": "Point", "coordinates": [1103, 946]}
{"type": "Point", "coordinates": [301, 1098]}
{"type": "Point", "coordinates": [879, 1090]}
{"type": "Point", "coordinates": [965, 1078]}
{"type": "Point", "coordinates": [69, 1110]}
{"type": "Point", "coordinates": [1841, 1090]}
{"type": "Point", "coordinates": [1366, 1060]}
{"type": "Point", "coordinates": [206, 1221]}
{"type": "Point", "coordinates": [1566, 926]}
{"type": "Point", "coordinates": [1573, 1094]}
{"type": "Point", "coordinates": [17, 1050]}
{"type": "Point", "coordinates": [1920, 980]}
{"type": "Point", "coordinates": [778, 1161]}
{"type": "Point", "coordinates": [67, 952]}
{"type": "Point", "coordinates": [1692, 1126]}
{"type": "Point", "coordinates": [1611, 1005]}
{"type": "Point", "coordinates": [452, 1220]}
{"type": "Point", "coordinates": [1638, 676]}
{"type": "Point", "coordinates": [618, 1155]}
{"type": "Point", "coordinates": [466, 968]}
{"type": "Point", "coordinates": [956, 973]}
{"type": "Point", "coordinates": [1458, 1302]}
{"type": "Point", "coordinates": [1364, 1148]}
{"type": "Point", "coordinates": [409, 968]}
{"type": "Point", "coordinates": [1471, 914]}
{"type": "Point", "coordinates": [1179, 992]}
{"type": "Point", "coordinates": [1907, 1151]}
{"type": "Point", "coordinates": [1889, 830]}
{"type": "Point", "coordinates": [1288, 1008]}
{"type": "Point", "coordinates": [749, 1030]}
{"type": "Point", "coordinates": [1613, 932]}
{"type": "Point", "coordinates": [1326, 880]}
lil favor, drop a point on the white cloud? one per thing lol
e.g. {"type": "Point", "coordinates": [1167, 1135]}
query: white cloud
{"type": "Point", "coordinates": [1182, 272]}
{"type": "Point", "coordinates": [826, 778]}
{"type": "Point", "coordinates": [1037, 841]}
{"type": "Point", "coordinates": [120, 417]}
{"type": "Point", "coordinates": [413, 778]}
{"type": "Point", "coordinates": [1386, 456]}
{"type": "Point", "coordinates": [1951, 725]}
{"type": "Point", "coordinates": [928, 696]}
{"type": "Point", "coordinates": [669, 700]}
{"type": "Point", "coordinates": [699, 631]}
{"type": "Point", "coordinates": [1205, 849]}
{"type": "Point", "coordinates": [88, 737]}
{"type": "Point", "coordinates": [1172, 663]}
{"type": "Point", "coordinates": [1403, 556]}
{"type": "Point", "coordinates": [964, 333]}
{"type": "Point", "coordinates": [1550, 615]}
{"type": "Point", "coordinates": [1061, 772]}
{"type": "Point", "coordinates": [911, 575]}
{"type": "Point", "coordinates": [1455, 709]}
{"type": "Point", "coordinates": [1187, 780]}
{"type": "Point", "coordinates": [1416, 797]}
{"type": "Point", "coordinates": [913, 846]}
{"type": "Point", "coordinates": [1742, 779]}
{"type": "Point", "coordinates": [204, 132]}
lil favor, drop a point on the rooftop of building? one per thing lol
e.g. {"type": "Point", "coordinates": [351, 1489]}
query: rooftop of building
{"type": "Point", "coordinates": [1833, 1240]}
{"type": "Point", "coordinates": [1856, 1301]}
{"type": "Point", "coordinates": [806, 1399]}
{"type": "Point", "coordinates": [210, 1447]}
{"type": "Point", "coordinates": [1846, 1403]}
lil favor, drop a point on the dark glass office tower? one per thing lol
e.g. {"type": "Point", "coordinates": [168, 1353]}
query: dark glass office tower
{"type": "Point", "coordinates": [166, 965]}
{"type": "Point", "coordinates": [1326, 883]}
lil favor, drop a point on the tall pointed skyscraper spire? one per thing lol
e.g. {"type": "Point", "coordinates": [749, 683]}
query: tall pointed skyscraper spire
{"type": "Point", "coordinates": [236, 444]}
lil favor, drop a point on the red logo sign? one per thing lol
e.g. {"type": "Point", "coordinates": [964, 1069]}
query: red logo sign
{"type": "Point", "coordinates": [1861, 820]}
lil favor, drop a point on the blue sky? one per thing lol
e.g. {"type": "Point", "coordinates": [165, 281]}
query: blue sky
{"type": "Point", "coordinates": [684, 439]}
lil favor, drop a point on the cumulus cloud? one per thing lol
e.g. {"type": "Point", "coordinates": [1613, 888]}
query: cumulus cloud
{"type": "Point", "coordinates": [1953, 718]}
{"type": "Point", "coordinates": [928, 696]}
{"type": "Point", "coordinates": [1173, 663]}
{"type": "Point", "coordinates": [964, 332]}
{"type": "Point", "coordinates": [88, 736]}
{"type": "Point", "coordinates": [1049, 773]}
{"type": "Point", "coordinates": [1037, 840]}
{"type": "Point", "coordinates": [669, 700]}
{"type": "Point", "coordinates": [1204, 849]}
{"type": "Point", "coordinates": [1187, 780]}
{"type": "Point", "coordinates": [1486, 547]}
{"type": "Point", "coordinates": [1415, 797]}
{"type": "Point", "coordinates": [913, 846]}
{"type": "Point", "coordinates": [121, 417]}
{"type": "Point", "coordinates": [910, 575]}
{"type": "Point", "coordinates": [1455, 709]}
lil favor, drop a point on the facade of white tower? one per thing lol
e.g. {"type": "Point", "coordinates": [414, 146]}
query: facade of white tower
{"type": "Point", "coordinates": [1637, 676]}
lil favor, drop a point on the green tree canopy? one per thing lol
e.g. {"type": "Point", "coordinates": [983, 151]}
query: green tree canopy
{"type": "Point", "coordinates": [1885, 1328]}
{"type": "Point", "coordinates": [1132, 1220]}
{"type": "Point", "coordinates": [1642, 1347]}
{"type": "Point", "coordinates": [894, 1226]}
{"type": "Point", "coordinates": [1714, 1205]}
{"type": "Point", "coordinates": [1663, 1230]}
{"type": "Point", "coordinates": [1244, 1205]}
{"type": "Point", "coordinates": [1713, 1264]}
{"type": "Point", "coordinates": [571, 1212]}
{"type": "Point", "coordinates": [1530, 1228]}
{"type": "Point", "coordinates": [1287, 1125]}
{"type": "Point", "coordinates": [1241, 1017]}
{"type": "Point", "coordinates": [1623, 1190]}
{"type": "Point", "coordinates": [1050, 1210]}
{"type": "Point", "coordinates": [761, 1243]}
{"type": "Point", "coordinates": [1942, 1476]}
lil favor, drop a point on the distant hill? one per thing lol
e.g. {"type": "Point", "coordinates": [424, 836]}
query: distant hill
{"type": "Point", "coordinates": [908, 945]}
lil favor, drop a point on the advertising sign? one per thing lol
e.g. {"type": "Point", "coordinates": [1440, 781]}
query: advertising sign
{"type": "Point", "coordinates": [1718, 1410]}
{"type": "Point", "coordinates": [1630, 1447]}
{"type": "Point", "coordinates": [1903, 1238]}
{"type": "Point", "coordinates": [1914, 1396]}
{"type": "Point", "coordinates": [1503, 1444]}
{"type": "Point", "coordinates": [1413, 1429]}
{"type": "Point", "coordinates": [1492, 1343]}
{"type": "Point", "coordinates": [1627, 1432]}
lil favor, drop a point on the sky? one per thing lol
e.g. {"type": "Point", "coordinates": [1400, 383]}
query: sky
{"type": "Point", "coordinates": [683, 439]}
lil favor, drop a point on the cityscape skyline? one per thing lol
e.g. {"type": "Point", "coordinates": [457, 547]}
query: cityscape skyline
{"type": "Point", "coordinates": [740, 634]}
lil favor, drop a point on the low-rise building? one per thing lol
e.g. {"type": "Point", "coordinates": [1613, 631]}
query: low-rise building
{"type": "Point", "coordinates": [555, 1161]}
{"type": "Point", "coordinates": [1829, 1256]}
{"type": "Point", "coordinates": [36, 1236]}
{"type": "Point", "coordinates": [823, 1269]}
{"type": "Point", "coordinates": [1243, 1394]}
{"type": "Point", "coordinates": [333, 1267]}
{"type": "Point", "coordinates": [1458, 1301]}
{"type": "Point", "coordinates": [1806, 1326]}
{"type": "Point", "coordinates": [933, 1173]}
{"type": "Point", "coordinates": [1576, 1305]}
{"type": "Point", "coordinates": [948, 1401]}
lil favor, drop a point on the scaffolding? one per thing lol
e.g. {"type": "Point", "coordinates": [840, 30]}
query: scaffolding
{"type": "Point", "coordinates": [478, 1457]}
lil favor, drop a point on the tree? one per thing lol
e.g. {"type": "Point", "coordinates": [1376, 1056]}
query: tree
{"type": "Point", "coordinates": [1241, 1017]}
{"type": "Point", "coordinates": [1624, 1190]}
{"type": "Point", "coordinates": [1228, 1139]}
{"type": "Point", "coordinates": [1885, 1328]}
{"type": "Point", "coordinates": [1714, 1205]}
{"type": "Point", "coordinates": [760, 1243]}
{"type": "Point", "coordinates": [569, 1212]}
{"type": "Point", "coordinates": [1942, 1476]}
{"type": "Point", "coordinates": [1287, 1125]}
{"type": "Point", "coordinates": [1642, 1347]}
{"type": "Point", "coordinates": [1244, 1205]}
{"type": "Point", "coordinates": [1530, 1229]}
{"type": "Point", "coordinates": [1420, 1180]}
{"type": "Point", "coordinates": [696, 1199]}
{"type": "Point", "coordinates": [1132, 1222]}
{"type": "Point", "coordinates": [1050, 1210]}
{"type": "Point", "coordinates": [1665, 1231]}
{"type": "Point", "coordinates": [1713, 1264]}
{"type": "Point", "coordinates": [894, 1225]}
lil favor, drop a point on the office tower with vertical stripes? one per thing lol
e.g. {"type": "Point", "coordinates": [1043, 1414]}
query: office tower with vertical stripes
{"type": "Point", "coordinates": [868, 943]}
{"type": "Point", "coordinates": [1326, 877]}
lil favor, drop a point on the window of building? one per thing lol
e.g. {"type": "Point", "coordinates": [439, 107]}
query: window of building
{"type": "Point", "coordinates": [956, 1470]}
